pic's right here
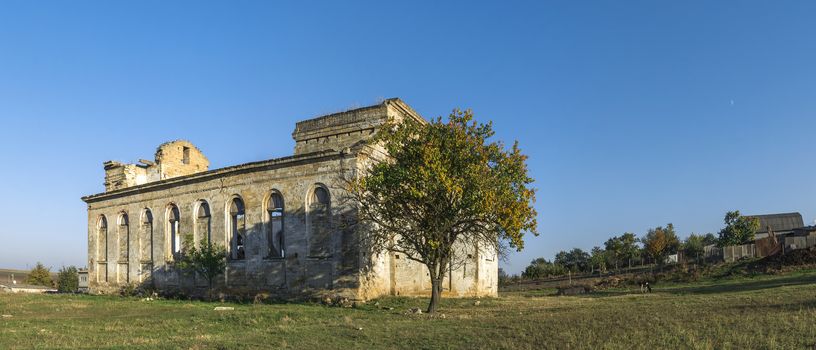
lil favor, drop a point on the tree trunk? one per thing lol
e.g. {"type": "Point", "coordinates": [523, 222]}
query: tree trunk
{"type": "Point", "coordinates": [436, 289]}
{"type": "Point", "coordinates": [436, 272]}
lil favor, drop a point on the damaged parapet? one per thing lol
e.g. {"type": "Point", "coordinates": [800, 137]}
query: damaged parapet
{"type": "Point", "coordinates": [338, 131]}
{"type": "Point", "coordinates": [172, 159]}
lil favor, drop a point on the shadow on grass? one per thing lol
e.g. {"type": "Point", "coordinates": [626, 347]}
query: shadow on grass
{"type": "Point", "coordinates": [743, 286]}
{"type": "Point", "coordinates": [709, 287]}
{"type": "Point", "coordinates": [785, 307]}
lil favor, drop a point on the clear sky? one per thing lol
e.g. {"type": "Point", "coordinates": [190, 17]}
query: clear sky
{"type": "Point", "coordinates": [634, 114]}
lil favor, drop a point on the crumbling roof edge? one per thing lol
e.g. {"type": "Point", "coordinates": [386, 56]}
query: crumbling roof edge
{"type": "Point", "coordinates": [214, 172]}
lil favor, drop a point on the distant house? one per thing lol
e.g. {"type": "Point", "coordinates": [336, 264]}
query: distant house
{"type": "Point", "coordinates": [805, 231]}
{"type": "Point", "coordinates": [83, 280]}
{"type": "Point", "coordinates": [801, 238]}
{"type": "Point", "coordinates": [780, 224]}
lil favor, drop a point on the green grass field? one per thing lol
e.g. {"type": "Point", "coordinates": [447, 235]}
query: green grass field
{"type": "Point", "coordinates": [766, 312]}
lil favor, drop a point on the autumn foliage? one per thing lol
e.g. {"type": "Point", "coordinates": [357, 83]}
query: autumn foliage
{"type": "Point", "coordinates": [444, 184]}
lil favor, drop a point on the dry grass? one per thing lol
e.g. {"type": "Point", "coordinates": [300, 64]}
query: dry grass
{"type": "Point", "coordinates": [761, 312]}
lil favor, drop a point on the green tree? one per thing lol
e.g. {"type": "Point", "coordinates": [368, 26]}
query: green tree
{"type": "Point", "coordinates": [629, 247]}
{"type": "Point", "coordinates": [444, 184]}
{"type": "Point", "coordinates": [575, 260]}
{"type": "Point", "coordinates": [738, 229]}
{"type": "Point", "coordinates": [598, 259]}
{"type": "Point", "coordinates": [542, 268]}
{"type": "Point", "coordinates": [709, 239]}
{"type": "Point", "coordinates": [207, 260]}
{"type": "Point", "coordinates": [504, 278]}
{"type": "Point", "coordinates": [694, 246]}
{"type": "Point", "coordinates": [674, 242]}
{"type": "Point", "coordinates": [68, 279]}
{"type": "Point", "coordinates": [40, 276]}
{"type": "Point", "coordinates": [614, 248]}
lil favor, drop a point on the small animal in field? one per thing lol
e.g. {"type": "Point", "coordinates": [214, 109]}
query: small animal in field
{"type": "Point", "coordinates": [645, 287]}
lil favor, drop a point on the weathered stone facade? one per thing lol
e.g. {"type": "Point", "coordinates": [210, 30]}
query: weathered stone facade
{"type": "Point", "coordinates": [282, 220]}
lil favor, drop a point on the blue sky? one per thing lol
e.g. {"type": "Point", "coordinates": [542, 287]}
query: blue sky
{"type": "Point", "coordinates": [634, 114]}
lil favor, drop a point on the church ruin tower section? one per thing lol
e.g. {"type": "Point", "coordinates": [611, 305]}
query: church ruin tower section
{"type": "Point", "coordinates": [172, 159]}
{"type": "Point", "coordinates": [344, 130]}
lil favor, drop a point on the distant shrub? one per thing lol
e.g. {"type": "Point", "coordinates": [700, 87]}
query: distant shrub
{"type": "Point", "coordinates": [40, 276]}
{"type": "Point", "coordinates": [68, 279]}
{"type": "Point", "coordinates": [129, 290]}
{"type": "Point", "coordinates": [681, 275]}
{"type": "Point", "coordinates": [505, 279]}
{"type": "Point", "coordinates": [542, 268]}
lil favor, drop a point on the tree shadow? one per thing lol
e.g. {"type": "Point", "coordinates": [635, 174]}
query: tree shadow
{"type": "Point", "coordinates": [743, 286]}
{"type": "Point", "coordinates": [783, 307]}
{"type": "Point", "coordinates": [715, 286]}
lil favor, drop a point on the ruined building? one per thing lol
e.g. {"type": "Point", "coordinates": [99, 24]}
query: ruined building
{"type": "Point", "coordinates": [279, 219]}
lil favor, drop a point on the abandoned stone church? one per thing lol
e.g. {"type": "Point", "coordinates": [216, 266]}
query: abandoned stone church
{"type": "Point", "coordinates": [281, 220]}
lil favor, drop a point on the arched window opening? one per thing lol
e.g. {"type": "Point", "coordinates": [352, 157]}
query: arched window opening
{"type": "Point", "coordinates": [173, 218]}
{"type": "Point", "coordinates": [274, 226]}
{"type": "Point", "coordinates": [237, 221]}
{"type": "Point", "coordinates": [102, 249]}
{"type": "Point", "coordinates": [203, 222]}
{"type": "Point", "coordinates": [102, 239]}
{"type": "Point", "coordinates": [146, 238]}
{"type": "Point", "coordinates": [320, 196]}
{"type": "Point", "coordinates": [319, 220]}
{"type": "Point", "coordinates": [124, 237]}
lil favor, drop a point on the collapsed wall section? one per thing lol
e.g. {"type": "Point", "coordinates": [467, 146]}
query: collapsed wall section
{"type": "Point", "coordinates": [172, 159]}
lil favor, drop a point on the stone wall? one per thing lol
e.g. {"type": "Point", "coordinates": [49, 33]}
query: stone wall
{"type": "Point", "coordinates": [142, 248]}
{"type": "Point", "coordinates": [131, 227]}
{"type": "Point", "coordinates": [336, 132]}
{"type": "Point", "coordinates": [172, 159]}
{"type": "Point", "coordinates": [179, 158]}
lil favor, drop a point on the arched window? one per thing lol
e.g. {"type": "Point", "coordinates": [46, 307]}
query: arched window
{"type": "Point", "coordinates": [274, 225]}
{"type": "Point", "coordinates": [237, 229]}
{"type": "Point", "coordinates": [124, 237]}
{"type": "Point", "coordinates": [203, 222]}
{"type": "Point", "coordinates": [102, 239]}
{"type": "Point", "coordinates": [173, 235]}
{"type": "Point", "coordinates": [320, 196]}
{"type": "Point", "coordinates": [102, 249]}
{"type": "Point", "coordinates": [319, 220]}
{"type": "Point", "coordinates": [146, 237]}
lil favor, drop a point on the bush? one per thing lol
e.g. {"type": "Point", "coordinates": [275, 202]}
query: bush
{"type": "Point", "coordinates": [40, 276]}
{"type": "Point", "coordinates": [208, 260]}
{"type": "Point", "coordinates": [129, 290]}
{"type": "Point", "coordinates": [68, 279]}
{"type": "Point", "coordinates": [681, 275]}
{"type": "Point", "coordinates": [541, 268]}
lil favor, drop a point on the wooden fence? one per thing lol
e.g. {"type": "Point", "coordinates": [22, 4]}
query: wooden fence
{"type": "Point", "coordinates": [736, 252]}
{"type": "Point", "coordinates": [799, 242]}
